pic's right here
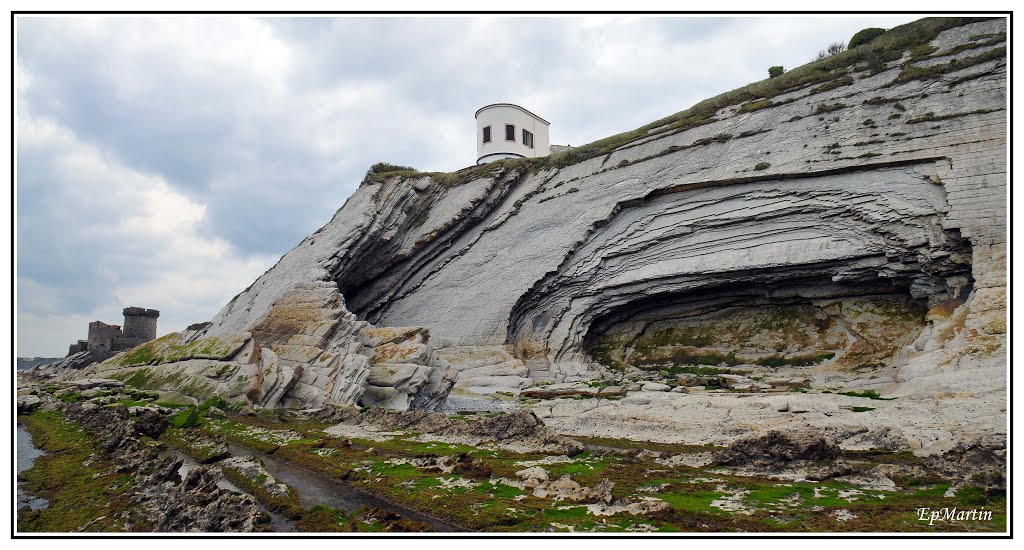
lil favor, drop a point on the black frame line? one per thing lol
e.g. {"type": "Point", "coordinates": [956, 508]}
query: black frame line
{"type": "Point", "coordinates": [472, 535]}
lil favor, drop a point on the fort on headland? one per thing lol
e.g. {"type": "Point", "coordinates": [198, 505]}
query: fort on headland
{"type": "Point", "coordinates": [139, 328]}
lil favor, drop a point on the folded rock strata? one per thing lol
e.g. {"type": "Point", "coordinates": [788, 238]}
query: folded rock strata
{"type": "Point", "coordinates": [859, 224]}
{"type": "Point", "coordinates": [781, 206]}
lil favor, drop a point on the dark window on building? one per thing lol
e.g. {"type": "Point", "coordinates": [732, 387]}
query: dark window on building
{"type": "Point", "coordinates": [510, 132]}
{"type": "Point", "coordinates": [528, 138]}
{"type": "Point", "coordinates": [487, 134]}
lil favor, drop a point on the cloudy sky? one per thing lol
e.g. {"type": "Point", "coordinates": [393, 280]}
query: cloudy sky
{"type": "Point", "coordinates": [167, 162]}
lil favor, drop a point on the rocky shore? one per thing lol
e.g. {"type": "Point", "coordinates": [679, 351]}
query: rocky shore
{"type": "Point", "coordinates": [473, 472]}
{"type": "Point", "coordinates": [157, 498]}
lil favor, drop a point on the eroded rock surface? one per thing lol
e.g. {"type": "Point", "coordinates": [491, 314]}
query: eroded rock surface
{"type": "Point", "coordinates": [307, 351]}
{"type": "Point", "coordinates": [520, 430]}
{"type": "Point", "coordinates": [785, 206]}
{"type": "Point", "coordinates": [165, 501]}
{"type": "Point", "coordinates": [841, 236]}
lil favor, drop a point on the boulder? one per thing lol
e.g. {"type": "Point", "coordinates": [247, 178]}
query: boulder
{"type": "Point", "coordinates": [405, 377]}
{"type": "Point", "coordinates": [747, 370]}
{"type": "Point", "coordinates": [434, 393]}
{"type": "Point", "coordinates": [377, 336]}
{"type": "Point", "coordinates": [732, 380]}
{"type": "Point", "coordinates": [655, 386]}
{"type": "Point", "coordinates": [251, 468]}
{"type": "Point", "coordinates": [533, 477]}
{"type": "Point", "coordinates": [565, 488]}
{"type": "Point", "coordinates": [789, 383]}
{"type": "Point", "coordinates": [687, 379]}
{"type": "Point", "coordinates": [28, 403]}
{"type": "Point", "coordinates": [89, 383]}
{"type": "Point", "coordinates": [402, 352]}
{"type": "Point", "coordinates": [377, 394]}
{"type": "Point", "coordinates": [554, 391]}
{"type": "Point", "coordinates": [776, 446]}
{"type": "Point", "coordinates": [612, 391]}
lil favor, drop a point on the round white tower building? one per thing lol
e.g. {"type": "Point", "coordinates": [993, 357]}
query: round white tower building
{"type": "Point", "coordinates": [504, 130]}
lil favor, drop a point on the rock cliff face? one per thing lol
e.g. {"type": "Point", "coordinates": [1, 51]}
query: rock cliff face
{"type": "Point", "coordinates": [854, 218]}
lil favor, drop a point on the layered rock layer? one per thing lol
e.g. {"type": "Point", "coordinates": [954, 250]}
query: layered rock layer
{"type": "Point", "coordinates": [877, 183]}
{"type": "Point", "coordinates": [883, 183]}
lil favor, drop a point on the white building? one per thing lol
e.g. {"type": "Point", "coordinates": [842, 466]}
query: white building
{"type": "Point", "coordinates": [504, 130]}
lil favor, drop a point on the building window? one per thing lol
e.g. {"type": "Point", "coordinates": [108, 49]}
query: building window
{"type": "Point", "coordinates": [528, 138]}
{"type": "Point", "coordinates": [487, 134]}
{"type": "Point", "coordinates": [510, 132]}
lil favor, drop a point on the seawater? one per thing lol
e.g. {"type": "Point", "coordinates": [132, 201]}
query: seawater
{"type": "Point", "coordinates": [27, 454]}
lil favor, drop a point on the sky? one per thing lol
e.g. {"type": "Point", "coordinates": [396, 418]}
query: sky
{"type": "Point", "coordinates": [166, 162]}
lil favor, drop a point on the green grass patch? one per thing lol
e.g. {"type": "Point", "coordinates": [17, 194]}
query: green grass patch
{"type": "Point", "coordinates": [322, 519]}
{"type": "Point", "coordinates": [84, 490]}
{"type": "Point", "coordinates": [931, 72]}
{"type": "Point", "coordinates": [693, 501]}
{"type": "Point", "coordinates": [833, 84]}
{"type": "Point", "coordinates": [187, 418]}
{"type": "Point", "coordinates": [560, 513]}
{"type": "Point", "coordinates": [828, 108]}
{"type": "Point", "coordinates": [756, 105]}
{"type": "Point", "coordinates": [932, 117]}
{"type": "Point", "coordinates": [71, 397]}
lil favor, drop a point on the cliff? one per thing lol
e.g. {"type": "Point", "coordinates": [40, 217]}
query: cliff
{"type": "Point", "coordinates": [847, 218]}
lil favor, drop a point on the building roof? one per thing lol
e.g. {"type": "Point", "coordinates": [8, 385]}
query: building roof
{"type": "Point", "coordinates": [527, 111]}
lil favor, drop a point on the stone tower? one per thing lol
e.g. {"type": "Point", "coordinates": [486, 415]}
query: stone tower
{"type": "Point", "coordinates": [140, 323]}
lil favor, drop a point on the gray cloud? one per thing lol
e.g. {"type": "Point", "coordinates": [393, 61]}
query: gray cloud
{"type": "Point", "coordinates": [168, 161]}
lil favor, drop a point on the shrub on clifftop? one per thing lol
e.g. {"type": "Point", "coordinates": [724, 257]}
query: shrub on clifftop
{"type": "Point", "coordinates": [865, 36]}
{"type": "Point", "coordinates": [383, 168]}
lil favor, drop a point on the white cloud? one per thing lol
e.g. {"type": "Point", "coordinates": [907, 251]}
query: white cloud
{"type": "Point", "coordinates": [148, 247]}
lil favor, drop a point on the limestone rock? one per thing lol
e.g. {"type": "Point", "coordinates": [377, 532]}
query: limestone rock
{"type": "Point", "coordinates": [788, 383]}
{"type": "Point", "coordinates": [654, 386]}
{"type": "Point", "coordinates": [28, 403]}
{"type": "Point", "coordinates": [612, 391]}
{"type": "Point", "coordinates": [754, 211]}
{"type": "Point", "coordinates": [566, 488]}
{"type": "Point", "coordinates": [92, 383]}
{"type": "Point", "coordinates": [689, 380]}
{"type": "Point", "coordinates": [533, 476]}
{"type": "Point", "coordinates": [734, 381]}
{"type": "Point", "coordinates": [253, 469]}
{"type": "Point", "coordinates": [408, 378]}
{"type": "Point", "coordinates": [553, 391]}
{"type": "Point", "coordinates": [377, 336]}
{"type": "Point", "coordinates": [778, 446]}
{"type": "Point", "coordinates": [402, 352]}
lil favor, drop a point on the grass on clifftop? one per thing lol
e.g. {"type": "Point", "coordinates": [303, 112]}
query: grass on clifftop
{"type": "Point", "coordinates": [829, 73]}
